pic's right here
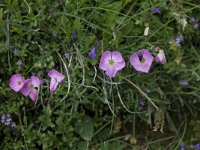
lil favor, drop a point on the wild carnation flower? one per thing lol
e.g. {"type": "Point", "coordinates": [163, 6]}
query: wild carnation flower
{"type": "Point", "coordinates": [111, 63]}
{"type": "Point", "coordinates": [141, 60]}
{"type": "Point", "coordinates": [56, 78]}
{"type": "Point", "coordinates": [30, 88]}
{"type": "Point", "coordinates": [161, 57]}
{"type": "Point", "coordinates": [16, 82]}
{"type": "Point", "coordinates": [92, 53]}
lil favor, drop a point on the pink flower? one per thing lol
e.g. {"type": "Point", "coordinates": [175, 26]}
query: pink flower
{"type": "Point", "coordinates": [111, 63]}
{"type": "Point", "coordinates": [161, 57]}
{"type": "Point", "coordinates": [16, 82]}
{"type": "Point", "coordinates": [56, 78]}
{"type": "Point", "coordinates": [30, 88]}
{"type": "Point", "coordinates": [141, 60]}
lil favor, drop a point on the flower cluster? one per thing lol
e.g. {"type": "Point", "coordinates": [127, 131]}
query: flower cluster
{"type": "Point", "coordinates": [112, 62]}
{"type": "Point", "coordinates": [30, 87]}
{"type": "Point", "coordinates": [6, 120]}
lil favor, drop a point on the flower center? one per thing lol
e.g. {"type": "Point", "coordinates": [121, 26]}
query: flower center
{"type": "Point", "coordinates": [141, 58]}
{"type": "Point", "coordinates": [111, 62]}
{"type": "Point", "coordinates": [31, 87]}
{"type": "Point", "coordinates": [19, 83]}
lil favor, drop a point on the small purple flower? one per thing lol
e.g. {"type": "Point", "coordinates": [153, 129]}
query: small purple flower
{"type": "Point", "coordinates": [161, 57]}
{"type": "Point", "coordinates": [141, 60]}
{"type": "Point", "coordinates": [182, 147]}
{"type": "Point", "coordinates": [197, 146]}
{"type": "Point", "coordinates": [111, 63]}
{"type": "Point", "coordinates": [13, 124]}
{"type": "Point", "coordinates": [30, 88]}
{"type": "Point", "coordinates": [3, 118]}
{"type": "Point", "coordinates": [179, 38]}
{"type": "Point", "coordinates": [195, 22]}
{"type": "Point", "coordinates": [56, 78]}
{"type": "Point", "coordinates": [92, 53]}
{"type": "Point", "coordinates": [20, 63]}
{"type": "Point", "coordinates": [178, 45]}
{"type": "Point", "coordinates": [8, 121]}
{"type": "Point", "coordinates": [183, 83]}
{"type": "Point", "coordinates": [156, 10]}
{"type": "Point", "coordinates": [15, 52]}
{"type": "Point", "coordinates": [16, 82]}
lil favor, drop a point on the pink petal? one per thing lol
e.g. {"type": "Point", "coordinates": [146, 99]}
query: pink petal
{"type": "Point", "coordinates": [53, 85]}
{"type": "Point", "coordinates": [55, 74]}
{"type": "Point", "coordinates": [117, 56]}
{"type": "Point", "coordinates": [111, 72]}
{"type": "Point", "coordinates": [35, 81]}
{"type": "Point", "coordinates": [33, 95]}
{"type": "Point", "coordinates": [26, 88]}
{"type": "Point", "coordinates": [16, 82]}
{"type": "Point", "coordinates": [104, 61]}
{"type": "Point", "coordinates": [161, 57]}
{"type": "Point", "coordinates": [120, 65]}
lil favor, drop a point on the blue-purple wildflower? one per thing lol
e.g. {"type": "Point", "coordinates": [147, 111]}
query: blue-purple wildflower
{"type": "Point", "coordinates": [7, 120]}
{"type": "Point", "coordinates": [182, 147]}
{"type": "Point", "coordinates": [178, 40]}
{"type": "Point", "coordinates": [196, 147]}
{"type": "Point", "coordinates": [183, 83]}
{"type": "Point", "coordinates": [92, 53]}
{"type": "Point", "coordinates": [156, 10]}
{"type": "Point", "coordinates": [195, 22]}
{"type": "Point", "coordinates": [13, 124]}
{"type": "Point", "coordinates": [141, 104]}
{"type": "Point", "coordinates": [3, 118]}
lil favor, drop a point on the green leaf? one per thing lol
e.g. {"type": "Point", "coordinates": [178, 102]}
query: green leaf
{"type": "Point", "coordinates": [86, 129]}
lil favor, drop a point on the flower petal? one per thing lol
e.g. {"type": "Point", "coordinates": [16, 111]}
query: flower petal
{"type": "Point", "coordinates": [16, 82]}
{"type": "Point", "coordinates": [117, 56]}
{"type": "Point", "coordinates": [161, 57]}
{"type": "Point", "coordinates": [111, 72]}
{"type": "Point", "coordinates": [35, 81]}
{"type": "Point", "coordinates": [120, 65]}
{"type": "Point", "coordinates": [55, 74]}
{"type": "Point", "coordinates": [33, 95]}
{"type": "Point", "coordinates": [53, 85]}
{"type": "Point", "coordinates": [26, 88]}
{"type": "Point", "coordinates": [105, 57]}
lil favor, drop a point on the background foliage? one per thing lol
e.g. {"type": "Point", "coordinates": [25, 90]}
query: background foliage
{"type": "Point", "coordinates": [90, 111]}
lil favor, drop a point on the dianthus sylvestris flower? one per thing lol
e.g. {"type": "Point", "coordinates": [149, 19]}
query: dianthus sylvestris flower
{"type": "Point", "coordinates": [141, 60]}
{"type": "Point", "coordinates": [161, 57]}
{"type": "Point", "coordinates": [56, 78]}
{"type": "Point", "coordinates": [30, 88]}
{"type": "Point", "coordinates": [16, 82]}
{"type": "Point", "coordinates": [111, 63]}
